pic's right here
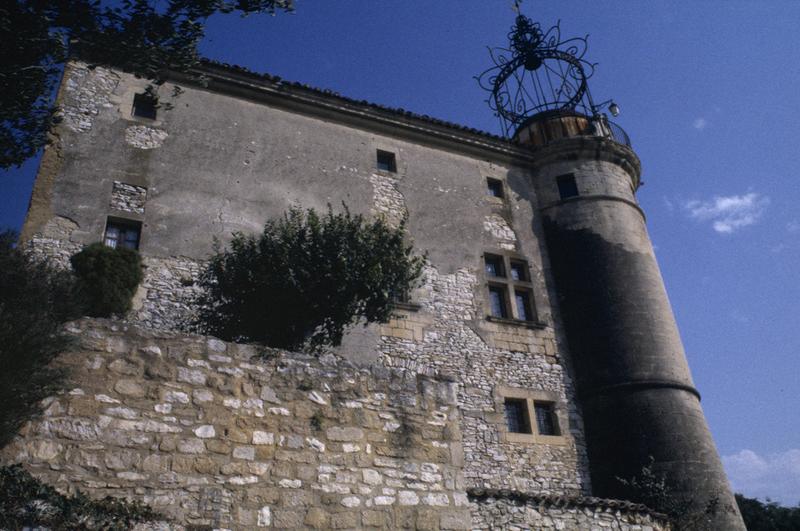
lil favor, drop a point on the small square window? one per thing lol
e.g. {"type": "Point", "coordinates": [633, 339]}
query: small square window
{"type": "Point", "coordinates": [494, 265]}
{"type": "Point", "coordinates": [122, 233]}
{"type": "Point", "coordinates": [497, 301]}
{"type": "Point", "coordinates": [519, 271]}
{"type": "Point", "coordinates": [546, 420]}
{"type": "Point", "coordinates": [144, 106]}
{"type": "Point", "coordinates": [522, 300]}
{"type": "Point", "coordinates": [386, 161]}
{"type": "Point", "coordinates": [494, 187]}
{"type": "Point", "coordinates": [567, 187]}
{"type": "Point", "coordinates": [517, 418]}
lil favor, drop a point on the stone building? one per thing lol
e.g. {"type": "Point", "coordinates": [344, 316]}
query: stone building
{"type": "Point", "coordinates": [537, 362]}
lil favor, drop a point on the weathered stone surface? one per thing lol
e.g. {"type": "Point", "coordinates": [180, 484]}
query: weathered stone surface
{"type": "Point", "coordinates": [337, 433]}
{"type": "Point", "coordinates": [317, 518]}
{"type": "Point", "coordinates": [205, 432]}
{"type": "Point", "coordinates": [488, 512]}
{"type": "Point", "coordinates": [130, 388]}
{"type": "Point", "coordinates": [173, 436]}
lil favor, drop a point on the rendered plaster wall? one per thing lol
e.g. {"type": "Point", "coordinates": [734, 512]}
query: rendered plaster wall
{"type": "Point", "coordinates": [214, 164]}
{"type": "Point", "coordinates": [225, 435]}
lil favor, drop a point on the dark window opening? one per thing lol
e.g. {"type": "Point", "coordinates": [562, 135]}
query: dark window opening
{"type": "Point", "coordinates": [519, 271]}
{"type": "Point", "coordinates": [386, 161]}
{"type": "Point", "coordinates": [497, 302]}
{"type": "Point", "coordinates": [523, 302]}
{"type": "Point", "coordinates": [494, 187]}
{"type": "Point", "coordinates": [567, 187]}
{"type": "Point", "coordinates": [145, 106]}
{"type": "Point", "coordinates": [398, 295]}
{"type": "Point", "coordinates": [546, 421]}
{"type": "Point", "coordinates": [494, 265]}
{"type": "Point", "coordinates": [122, 233]}
{"type": "Point", "coordinates": [517, 415]}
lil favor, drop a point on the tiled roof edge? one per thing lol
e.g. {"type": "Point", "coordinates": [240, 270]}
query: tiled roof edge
{"type": "Point", "coordinates": [209, 67]}
{"type": "Point", "coordinates": [553, 500]}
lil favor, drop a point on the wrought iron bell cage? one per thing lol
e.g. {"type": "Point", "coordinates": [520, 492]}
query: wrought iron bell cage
{"type": "Point", "coordinates": [539, 72]}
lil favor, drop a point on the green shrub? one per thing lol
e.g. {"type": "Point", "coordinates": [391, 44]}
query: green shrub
{"type": "Point", "coordinates": [27, 502]}
{"type": "Point", "coordinates": [305, 279]}
{"type": "Point", "coordinates": [35, 299]}
{"type": "Point", "coordinates": [107, 278]}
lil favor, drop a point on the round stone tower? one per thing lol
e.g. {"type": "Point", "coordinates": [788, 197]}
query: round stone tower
{"type": "Point", "coordinates": [641, 410]}
{"type": "Point", "coordinates": [640, 407]}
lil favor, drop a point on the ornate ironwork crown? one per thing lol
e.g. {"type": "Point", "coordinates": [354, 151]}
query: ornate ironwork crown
{"type": "Point", "coordinates": [537, 72]}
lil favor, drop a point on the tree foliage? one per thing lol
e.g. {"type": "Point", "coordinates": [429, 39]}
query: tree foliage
{"type": "Point", "coordinates": [35, 300]}
{"type": "Point", "coordinates": [768, 516]}
{"type": "Point", "coordinates": [143, 37]}
{"type": "Point", "coordinates": [306, 278]}
{"type": "Point", "coordinates": [25, 502]}
{"type": "Point", "coordinates": [686, 512]}
{"type": "Point", "coordinates": [107, 278]}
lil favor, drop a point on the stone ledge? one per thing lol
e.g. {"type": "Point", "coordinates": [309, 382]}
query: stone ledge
{"type": "Point", "coordinates": [480, 494]}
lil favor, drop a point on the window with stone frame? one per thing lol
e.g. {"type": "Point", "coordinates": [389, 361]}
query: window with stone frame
{"type": "Point", "coordinates": [517, 417]}
{"type": "Point", "coordinates": [509, 288]}
{"type": "Point", "coordinates": [122, 233]}
{"type": "Point", "coordinates": [530, 415]}
{"type": "Point", "coordinates": [546, 418]}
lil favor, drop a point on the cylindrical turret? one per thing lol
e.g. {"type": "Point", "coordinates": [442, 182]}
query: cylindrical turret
{"type": "Point", "coordinates": [638, 399]}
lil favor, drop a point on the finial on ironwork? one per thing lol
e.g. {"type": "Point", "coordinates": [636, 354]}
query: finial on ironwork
{"type": "Point", "coordinates": [515, 7]}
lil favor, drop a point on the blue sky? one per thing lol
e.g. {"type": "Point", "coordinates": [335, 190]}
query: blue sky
{"type": "Point", "coordinates": [709, 96]}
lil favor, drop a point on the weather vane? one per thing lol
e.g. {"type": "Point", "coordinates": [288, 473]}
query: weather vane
{"type": "Point", "coordinates": [538, 72]}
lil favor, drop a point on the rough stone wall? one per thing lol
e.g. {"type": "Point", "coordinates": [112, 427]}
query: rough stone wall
{"type": "Point", "coordinates": [87, 94]}
{"type": "Point", "coordinates": [209, 435]}
{"type": "Point", "coordinates": [498, 227]}
{"type": "Point", "coordinates": [128, 197]}
{"type": "Point", "coordinates": [145, 137]}
{"type": "Point", "coordinates": [387, 199]}
{"type": "Point", "coordinates": [499, 512]}
{"type": "Point", "coordinates": [441, 339]}
{"type": "Point", "coordinates": [52, 244]}
{"type": "Point", "coordinates": [448, 335]}
{"type": "Point", "coordinates": [167, 296]}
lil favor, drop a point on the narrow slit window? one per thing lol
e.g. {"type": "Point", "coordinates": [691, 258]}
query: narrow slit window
{"type": "Point", "coordinates": [497, 301]}
{"type": "Point", "coordinates": [517, 419]}
{"type": "Point", "coordinates": [122, 233]}
{"type": "Point", "coordinates": [387, 161]}
{"type": "Point", "coordinates": [144, 106]}
{"type": "Point", "coordinates": [567, 187]}
{"type": "Point", "coordinates": [494, 187]}
{"type": "Point", "coordinates": [546, 421]}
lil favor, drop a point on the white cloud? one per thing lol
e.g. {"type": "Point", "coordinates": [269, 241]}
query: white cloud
{"type": "Point", "coordinates": [729, 213]}
{"type": "Point", "coordinates": [700, 123]}
{"type": "Point", "coordinates": [793, 226]}
{"type": "Point", "coordinates": [774, 476]}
